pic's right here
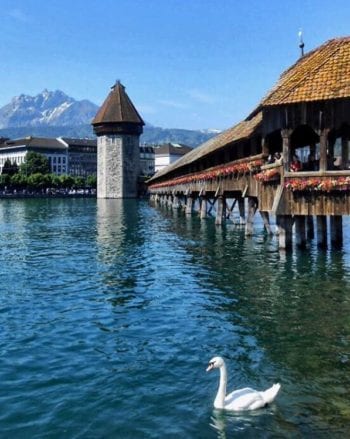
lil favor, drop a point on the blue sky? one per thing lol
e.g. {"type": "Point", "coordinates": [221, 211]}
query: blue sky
{"type": "Point", "coordinates": [185, 63]}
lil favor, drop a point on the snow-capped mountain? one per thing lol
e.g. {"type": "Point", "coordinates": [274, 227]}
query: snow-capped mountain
{"type": "Point", "coordinates": [49, 108]}
{"type": "Point", "coordinates": [53, 114]}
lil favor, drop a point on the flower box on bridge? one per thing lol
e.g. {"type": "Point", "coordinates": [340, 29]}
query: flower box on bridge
{"type": "Point", "coordinates": [316, 183]}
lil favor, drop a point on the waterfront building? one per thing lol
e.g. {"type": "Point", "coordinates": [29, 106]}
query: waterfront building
{"type": "Point", "coordinates": [147, 168]}
{"type": "Point", "coordinates": [168, 153]}
{"type": "Point", "coordinates": [75, 157]}
{"type": "Point", "coordinates": [52, 148]}
{"type": "Point", "coordinates": [118, 127]}
{"type": "Point", "coordinates": [81, 156]}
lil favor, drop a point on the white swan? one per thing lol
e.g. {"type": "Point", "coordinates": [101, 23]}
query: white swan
{"type": "Point", "coordinates": [243, 399]}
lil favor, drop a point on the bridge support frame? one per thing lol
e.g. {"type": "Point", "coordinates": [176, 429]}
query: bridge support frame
{"type": "Point", "coordinates": [336, 226]}
{"type": "Point", "coordinates": [321, 221]}
{"type": "Point", "coordinates": [252, 207]}
{"type": "Point", "coordinates": [300, 231]}
{"type": "Point", "coordinates": [285, 224]}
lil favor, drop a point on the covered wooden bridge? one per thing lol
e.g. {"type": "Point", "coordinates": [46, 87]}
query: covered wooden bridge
{"type": "Point", "coordinates": [289, 158]}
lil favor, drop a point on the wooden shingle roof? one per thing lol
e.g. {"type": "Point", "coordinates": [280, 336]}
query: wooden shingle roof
{"type": "Point", "coordinates": [321, 74]}
{"type": "Point", "coordinates": [241, 131]}
{"type": "Point", "coordinates": [117, 108]}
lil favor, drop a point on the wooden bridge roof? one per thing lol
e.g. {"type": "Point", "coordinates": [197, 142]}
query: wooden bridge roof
{"type": "Point", "coordinates": [321, 74]}
{"type": "Point", "coordinates": [241, 131]}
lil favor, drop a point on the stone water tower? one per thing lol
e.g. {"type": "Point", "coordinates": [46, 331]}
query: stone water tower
{"type": "Point", "coordinates": [118, 127]}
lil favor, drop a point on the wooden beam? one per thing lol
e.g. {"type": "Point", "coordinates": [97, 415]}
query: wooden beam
{"type": "Point", "coordinates": [266, 220]}
{"type": "Point", "coordinates": [285, 224]}
{"type": "Point", "coordinates": [220, 211]}
{"type": "Point", "coordinates": [300, 232]}
{"type": "Point", "coordinates": [323, 148]}
{"type": "Point", "coordinates": [204, 207]}
{"type": "Point", "coordinates": [336, 226]}
{"type": "Point", "coordinates": [310, 232]}
{"type": "Point", "coordinates": [189, 205]}
{"type": "Point", "coordinates": [230, 209]}
{"type": "Point", "coordinates": [321, 231]}
{"type": "Point", "coordinates": [241, 210]}
{"type": "Point", "coordinates": [252, 206]}
{"type": "Point", "coordinates": [286, 147]}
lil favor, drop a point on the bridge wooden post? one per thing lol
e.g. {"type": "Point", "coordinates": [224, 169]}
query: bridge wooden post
{"type": "Point", "coordinates": [189, 205]}
{"type": "Point", "coordinates": [310, 233]}
{"type": "Point", "coordinates": [175, 205]}
{"type": "Point", "coordinates": [286, 150]}
{"type": "Point", "coordinates": [220, 210]}
{"type": "Point", "coordinates": [344, 150]}
{"type": "Point", "coordinates": [266, 220]}
{"type": "Point", "coordinates": [321, 231]}
{"type": "Point", "coordinates": [323, 148]}
{"type": "Point", "coordinates": [241, 211]}
{"type": "Point", "coordinates": [252, 206]}
{"type": "Point", "coordinates": [285, 236]}
{"type": "Point", "coordinates": [336, 226]}
{"type": "Point", "coordinates": [204, 207]}
{"type": "Point", "coordinates": [300, 232]}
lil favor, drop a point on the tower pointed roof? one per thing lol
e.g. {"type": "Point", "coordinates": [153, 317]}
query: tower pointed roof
{"type": "Point", "coordinates": [117, 112]}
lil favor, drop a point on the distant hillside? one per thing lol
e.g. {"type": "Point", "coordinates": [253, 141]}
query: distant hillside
{"type": "Point", "coordinates": [54, 114]}
{"type": "Point", "coordinates": [151, 135]}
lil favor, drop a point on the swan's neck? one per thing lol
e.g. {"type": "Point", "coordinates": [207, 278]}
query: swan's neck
{"type": "Point", "coordinates": [219, 402]}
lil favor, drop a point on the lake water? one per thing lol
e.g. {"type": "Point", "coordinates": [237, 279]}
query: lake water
{"type": "Point", "coordinates": [110, 311]}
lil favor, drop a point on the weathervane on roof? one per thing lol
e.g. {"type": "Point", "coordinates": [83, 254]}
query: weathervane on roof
{"type": "Point", "coordinates": [117, 82]}
{"type": "Point", "coordinates": [301, 42]}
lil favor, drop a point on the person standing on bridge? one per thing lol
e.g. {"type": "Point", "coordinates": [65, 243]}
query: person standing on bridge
{"type": "Point", "coordinates": [295, 166]}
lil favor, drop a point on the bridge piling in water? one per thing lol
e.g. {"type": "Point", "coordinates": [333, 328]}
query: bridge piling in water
{"type": "Point", "coordinates": [321, 221]}
{"type": "Point", "coordinates": [336, 226]}
{"type": "Point", "coordinates": [300, 231]}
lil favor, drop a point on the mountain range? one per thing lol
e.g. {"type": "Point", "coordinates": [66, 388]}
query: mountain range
{"type": "Point", "coordinates": [54, 114]}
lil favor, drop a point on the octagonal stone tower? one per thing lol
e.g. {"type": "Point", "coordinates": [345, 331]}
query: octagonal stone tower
{"type": "Point", "coordinates": [118, 127]}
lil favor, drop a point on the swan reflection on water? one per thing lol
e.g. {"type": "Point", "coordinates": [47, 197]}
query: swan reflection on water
{"type": "Point", "coordinates": [226, 422]}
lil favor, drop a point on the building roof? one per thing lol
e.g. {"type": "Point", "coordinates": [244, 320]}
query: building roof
{"type": "Point", "coordinates": [117, 108]}
{"type": "Point", "coordinates": [172, 149]}
{"type": "Point", "coordinates": [34, 142]}
{"type": "Point", "coordinates": [147, 149]}
{"type": "Point", "coordinates": [241, 131]}
{"type": "Point", "coordinates": [79, 142]}
{"type": "Point", "coordinates": [321, 74]}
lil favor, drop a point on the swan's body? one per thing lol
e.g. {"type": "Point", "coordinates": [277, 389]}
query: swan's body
{"type": "Point", "coordinates": [243, 399]}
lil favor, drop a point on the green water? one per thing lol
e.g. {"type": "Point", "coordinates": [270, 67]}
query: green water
{"type": "Point", "coordinates": [110, 311]}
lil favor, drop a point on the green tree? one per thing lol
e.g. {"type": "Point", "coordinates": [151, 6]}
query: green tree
{"type": "Point", "coordinates": [10, 168]}
{"type": "Point", "coordinates": [67, 181]}
{"type": "Point", "coordinates": [19, 181]}
{"type": "Point", "coordinates": [91, 181]}
{"type": "Point", "coordinates": [79, 182]}
{"type": "Point", "coordinates": [55, 181]}
{"type": "Point", "coordinates": [35, 163]}
{"type": "Point", "coordinates": [5, 180]}
{"type": "Point", "coordinates": [38, 180]}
